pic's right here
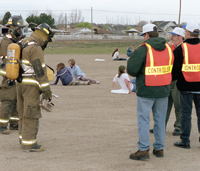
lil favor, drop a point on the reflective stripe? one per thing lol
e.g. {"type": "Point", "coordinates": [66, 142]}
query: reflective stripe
{"type": "Point", "coordinates": [26, 62]}
{"type": "Point", "coordinates": [4, 121]}
{"type": "Point", "coordinates": [2, 72]}
{"type": "Point", "coordinates": [44, 85]}
{"type": "Point", "coordinates": [150, 55]}
{"type": "Point", "coordinates": [43, 65]}
{"type": "Point", "coordinates": [186, 53]}
{"type": "Point", "coordinates": [170, 53]}
{"type": "Point", "coordinates": [31, 43]}
{"type": "Point", "coordinates": [30, 142]}
{"type": "Point", "coordinates": [20, 136]}
{"type": "Point", "coordinates": [9, 36]}
{"type": "Point", "coordinates": [31, 81]}
{"type": "Point", "coordinates": [14, 118]}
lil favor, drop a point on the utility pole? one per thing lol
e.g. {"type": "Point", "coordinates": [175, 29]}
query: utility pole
{"type": "Point", "coordinates": [92, 26]}
{"type": "Point", "coordinates": [65, 21]}
{"type": "Point", "coordinates": [179, 14]}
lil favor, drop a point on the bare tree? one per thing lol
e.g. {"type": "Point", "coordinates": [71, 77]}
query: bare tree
{"type": "Point", "coordinates": [141, 23]}
{"type": "Point", "coordinates": [76, 16]}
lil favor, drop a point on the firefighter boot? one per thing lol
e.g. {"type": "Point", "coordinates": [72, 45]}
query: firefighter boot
{"type": "Point", "coordinates": [4, 130]}
{"type": "Point", "coordinates": [13, 126]}
{"type": "Point", "coordinates": [37, 148]}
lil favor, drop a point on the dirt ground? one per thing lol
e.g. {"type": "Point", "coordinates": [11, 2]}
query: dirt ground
{"type": "Point", "coordinates": [91, 129]}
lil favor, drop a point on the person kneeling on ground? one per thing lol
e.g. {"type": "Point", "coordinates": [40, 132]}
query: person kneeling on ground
{"type": "Point", "coordinates": [66, 77]}
{"type": "Point", "coordinates": [124, 81]}
{"type": "Point", "coordinates": [115, 55]}
{"type": "Point", "coordinates": [78, 74]}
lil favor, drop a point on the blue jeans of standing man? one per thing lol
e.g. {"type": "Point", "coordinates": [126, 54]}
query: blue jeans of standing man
{"type": "Point", "coordinates": [159, 109]}
{"type": "Point", "coordinates": [134, 85]}
{"type": "Point", "coordinates": [186, 99]}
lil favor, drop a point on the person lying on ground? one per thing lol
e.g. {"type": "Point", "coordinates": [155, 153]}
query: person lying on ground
{"type": "Point", "coordinates": [78, 74]}
{"type": "Point", "coordinates": [123, 79]}
{"type": "Point", "coordinates": [66, 77]}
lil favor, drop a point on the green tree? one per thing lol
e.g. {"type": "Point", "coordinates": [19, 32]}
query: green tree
{"type": "Point", "coordinates": [42, 18]}
{"type": "Point", "coordinates": [85, 24]}
{"type": "Point", "coordinates": [128, 28]}
{"type": "Point", "coordinates": [105, 27]}
{"type": "Point", "coordinates": [6, 17]}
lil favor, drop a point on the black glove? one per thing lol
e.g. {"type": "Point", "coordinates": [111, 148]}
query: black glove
{"type": "Point", "coordinates": [47, 94]}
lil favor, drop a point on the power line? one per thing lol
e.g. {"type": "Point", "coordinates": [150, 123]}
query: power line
{"type": "Point", "coordinates": [128, 12]}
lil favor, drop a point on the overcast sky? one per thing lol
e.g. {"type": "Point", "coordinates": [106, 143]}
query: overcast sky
{"type": "Point", "coordinates": [113, 11]}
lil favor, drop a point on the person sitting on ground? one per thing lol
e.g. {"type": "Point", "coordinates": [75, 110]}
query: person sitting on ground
{"type": "Point", "coordinates": [115, 55]}
{"type": "Point", "coordinates": [123, 79]}
{"type": "Point", "coordinates": [129, 51]}
{"type": "Point", "coordinates": [66, 77]}
{"type": "Point", "coordinates": [78, 74]}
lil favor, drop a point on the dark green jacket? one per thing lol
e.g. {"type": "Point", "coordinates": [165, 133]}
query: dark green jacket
{"type": "Point", "coordinates": [136, 68]}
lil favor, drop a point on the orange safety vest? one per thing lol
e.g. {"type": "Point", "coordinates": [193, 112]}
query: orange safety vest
{"type": "Point", "coordinates": [191, 62]}
{"type": "Point", "coordinates": [173, 47]}
{"type": "Point", "coordinates": [158, 66]}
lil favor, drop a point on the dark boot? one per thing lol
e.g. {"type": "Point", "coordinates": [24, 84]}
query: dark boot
{"type": "Point", "coordinates": [4, 130]}
{"type": "Point", "coordinates": [140, 155]}
{"type": "Point", "coordinates": [13, 126]}
{"type": "Point", "coordinates": [158, 153]}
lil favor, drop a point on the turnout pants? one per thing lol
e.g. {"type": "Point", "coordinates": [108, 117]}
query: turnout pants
{"type": "Point", "coordinates": [8, 110]}
{"type": "Point", "coordinates": [28, 99]}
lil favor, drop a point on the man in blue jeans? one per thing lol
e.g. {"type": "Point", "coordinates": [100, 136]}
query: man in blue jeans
{"type": "Point", "coordinates": [151, 63]}
{"type": "Point", "coordinates": [186, 71]}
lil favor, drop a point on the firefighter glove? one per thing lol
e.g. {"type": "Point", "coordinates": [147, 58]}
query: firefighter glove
{"type": "Point", "coordinates": [47, 94]}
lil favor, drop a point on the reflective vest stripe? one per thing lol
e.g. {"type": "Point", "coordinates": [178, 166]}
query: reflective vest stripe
{"type": "Point", "coordinates": [30, 142]}
{"type": "Point", "coordinates": [4, 120]}
{"type": "Point", "coordinates": [186, 53]}
{"type": "Point", "coordinates": [150, 55]}
{"type": "Point", "coordinates": [20, 136]}
{"type": "Point", "coordinates": [14, 118]}
{"type": "Point", "coordinates": [170, 54]}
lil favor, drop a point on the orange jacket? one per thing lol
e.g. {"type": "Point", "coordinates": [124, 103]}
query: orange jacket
{"type": "Point", "coordinates": [158, 66]}
{"type": "Point", "coordinates": [191, 62]}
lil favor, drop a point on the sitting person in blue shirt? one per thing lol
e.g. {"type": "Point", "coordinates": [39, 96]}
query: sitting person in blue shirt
{"type": "Point", "coordinates": [78, 74]}
{"type": "Point", "coordinates": [129, 51]}
{"type": "Point", "coordinates": [66, 77]}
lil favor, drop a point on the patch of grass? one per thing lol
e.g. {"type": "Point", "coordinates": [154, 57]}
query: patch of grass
{"type": "Point", "coordinates": [87, 47]}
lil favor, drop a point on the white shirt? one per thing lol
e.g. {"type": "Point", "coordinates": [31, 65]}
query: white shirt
{"type": "Point", "coordinates": [115, 55]}
{"type": "Point", "coordinates": [122, 81]}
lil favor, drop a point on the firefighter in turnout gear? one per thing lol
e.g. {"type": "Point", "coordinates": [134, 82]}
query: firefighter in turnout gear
{"type": "Point", "coordinates": [34, 81]}
{"type": "Point", "coordinates": [8, 112]}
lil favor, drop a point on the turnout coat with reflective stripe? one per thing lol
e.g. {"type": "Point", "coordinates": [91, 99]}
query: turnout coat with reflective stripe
{"type": "Point", "coordinates": [30, 54]}
{"type": "Point", "coordinates": [6, 40]}
{"type": "Point", "coordinates": [191, 62]}
{"type": "Point", "coordinates": [158, 66]}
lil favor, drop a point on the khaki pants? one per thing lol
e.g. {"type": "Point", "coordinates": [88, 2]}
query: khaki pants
{"type": "Point", "coordinates": [76, 82]}
{"type": "Point", "coordinates": [28, 99]}
{"type": "Point", "coordinates": [8, 110]}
